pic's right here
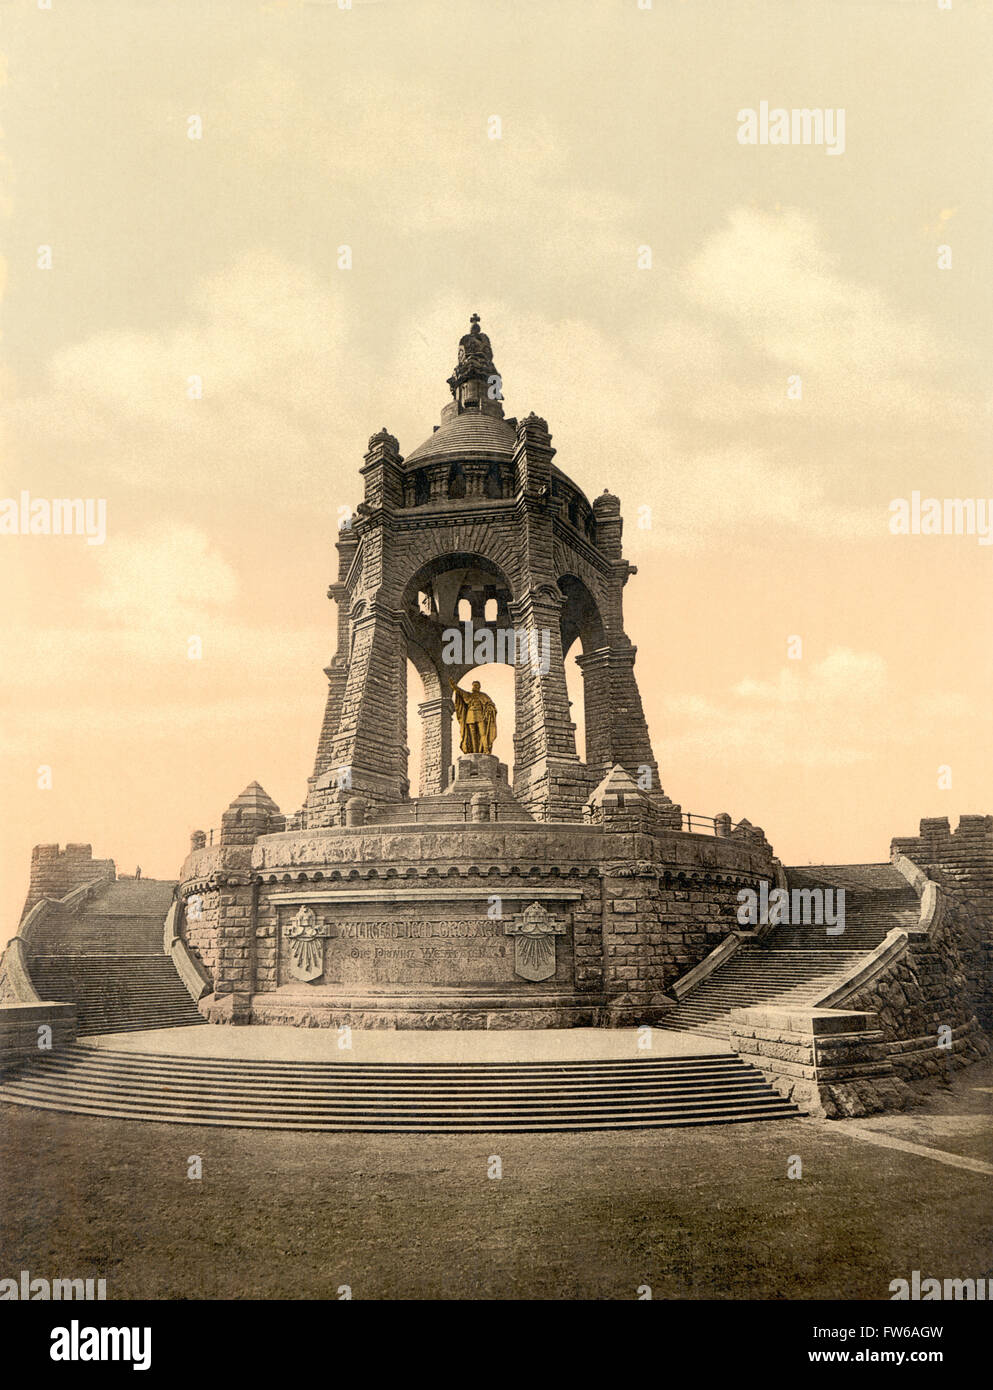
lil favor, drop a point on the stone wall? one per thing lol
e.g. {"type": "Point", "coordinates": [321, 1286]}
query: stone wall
{"type": "Point", "coordinates": [56, 872]}
{"type": "Point", "coordinates": [961, 861]}
{"type": "Point", "coordinates": [924, 1010]}
{"type": "Point", "coordinates": [658, 925]}
{"type": "Point", "coordinates": [638, 910]}
{"type": "Point", "coordinates": [213, 884]}
{"type": "Point", "coordinates": [20, 1038]}
{"type": "Point", "coordinates": [833, 1063]}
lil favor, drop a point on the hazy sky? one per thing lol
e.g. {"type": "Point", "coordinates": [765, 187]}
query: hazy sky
{"type": "Point", "coordinates": [764, 517]}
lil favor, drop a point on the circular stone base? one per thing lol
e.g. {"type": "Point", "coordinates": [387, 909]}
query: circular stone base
{"type": "Point", "coordinates": [460, 926]}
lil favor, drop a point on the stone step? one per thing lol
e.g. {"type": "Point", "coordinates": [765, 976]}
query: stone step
{"type": "Point", "coordinates": [122, 917]}
{"type": "Point", "coordinates": [169, 1065]}
{"type": "Point", "coordinates": [409, 1097]}
{"type": "Point", "coordinates": [117, 993]}
{"type": "Point", "coordinates": [346, 1085]}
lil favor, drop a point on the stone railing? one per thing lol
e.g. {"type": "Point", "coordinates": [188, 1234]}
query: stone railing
{"type": "Point", "coordinates": [16, 985]}
{"type": "Point", "coordinates": [23, 1012]}
{"type": "Point", "coordinates": [15, 975]}
{"type": "Point", "coordinates": [719, 956]}
{"type": "Point", "coordinates": [190, 971]}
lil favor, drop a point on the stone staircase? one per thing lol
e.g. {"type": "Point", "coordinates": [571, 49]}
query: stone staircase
{"type": "Point", "coordinates": [124, 917]}
{"type": "Point", "coordinates": [107, 958]}
{"type": "Point", "coordinates": [117, 993]}
{"type": "Point", "coordinates": [877, 899]}
{"type": "Point", "coordinates": [480, 1097]}
{"type": "Point", "coordinates": [795, 965]}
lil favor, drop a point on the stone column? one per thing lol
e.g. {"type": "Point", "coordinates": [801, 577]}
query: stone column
{"type": "Point", "coordinates": [337, 672]}
{"type": "Point", "coordinates": [436, 743]}
{"type": "Point", "coordinates": [234, 966]}
{"type": "Point", "coordinates": [368, 753]}
{"type": "Point", "coordinates": [595, 667]}
{"type": "Point", "coordinates": [549, 779]}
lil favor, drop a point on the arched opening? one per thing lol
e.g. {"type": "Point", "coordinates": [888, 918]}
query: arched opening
{"type": "Point", "coordinates": [588, 686]}
{"type": "Point", "coordinates": [492, 485]}
{"type": "Point", "coordinates": [416, 694]}
{"type": "Point", "coordinates": [575, 691]}
{"type": "Point", "coordinates": [456, 638]}
{"type": "Point", "coordinates": [456, 481]}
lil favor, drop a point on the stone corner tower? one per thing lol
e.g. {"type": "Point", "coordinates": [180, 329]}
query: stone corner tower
{"type": "Point", "coordinates": [478, 519]}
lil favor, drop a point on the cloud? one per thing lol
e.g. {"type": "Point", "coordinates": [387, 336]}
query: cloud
{"type": "Point", "coordinates": [772, 275]}
{"type": "Point", "coordinates": [162, 578]}
{"type": "Point", "coordinates": [839, 711]}
{"type": "Point", "coordinates": [280, 384]}
{"type": "Point", "coordinates": [818, 715]}
{"type": "Point", "coordinates": [842, 676]}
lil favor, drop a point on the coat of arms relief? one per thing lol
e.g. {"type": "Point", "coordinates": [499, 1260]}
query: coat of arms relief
{"type": "Point", "coordinates": [306, 936]}
{"type": "Point", "coordinates": [534, 931]}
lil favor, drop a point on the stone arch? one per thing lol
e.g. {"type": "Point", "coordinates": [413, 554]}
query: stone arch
{"type": "Point", "coordinates": [481, 546]}
{"type": "Point", "coordinates": [581, 621]}
{"type": "Point", "coordinates": [580, 615]}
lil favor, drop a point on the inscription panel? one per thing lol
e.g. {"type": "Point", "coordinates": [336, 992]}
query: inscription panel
{"type": "Point", "coordinates": [411, 950]}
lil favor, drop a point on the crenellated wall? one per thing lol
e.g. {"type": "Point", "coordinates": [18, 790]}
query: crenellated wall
{"type": "Point", "coordinates": [961, 861]}
{"type": "Point", "coordinates": [56, 872]}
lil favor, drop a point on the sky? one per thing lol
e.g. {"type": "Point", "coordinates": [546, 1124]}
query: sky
{"type": "Point", "coordinates": [651, 287]}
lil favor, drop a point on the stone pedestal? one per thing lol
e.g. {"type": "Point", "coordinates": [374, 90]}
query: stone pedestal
{"type": "Point", "coordinates": [473, 772]}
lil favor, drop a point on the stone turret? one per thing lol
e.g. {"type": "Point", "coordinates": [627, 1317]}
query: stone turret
{"type": "Point", "coordinates": [250, 815]}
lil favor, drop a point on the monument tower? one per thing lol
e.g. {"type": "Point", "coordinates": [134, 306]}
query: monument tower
{"type": "Point", "coordinates": [478, 518]}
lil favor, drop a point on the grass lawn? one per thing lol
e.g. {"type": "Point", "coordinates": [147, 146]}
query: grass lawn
{"type": "Point", "coordinates": [704, 1213]}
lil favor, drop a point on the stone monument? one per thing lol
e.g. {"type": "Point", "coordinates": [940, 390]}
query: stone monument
{"type": "Point", "coordinates": [547, 892]}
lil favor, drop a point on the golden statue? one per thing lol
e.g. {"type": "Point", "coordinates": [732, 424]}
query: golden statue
{"type": "Point", "coordinates": [476, 714]}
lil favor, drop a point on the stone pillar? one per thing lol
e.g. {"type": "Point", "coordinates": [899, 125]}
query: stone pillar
{"type": "Point", "coordinates": [549, 779]}
{"type": "Point", "coordinates": [337, 672]}
{"type": "Point", "coordinates": [436, 743]}
{"type": "Point", "coordinates": [369, 753]}
{"type": "Point", "coordinates": [383, 473]}
{"type": "Point", "coordinates": [234, 964]}
{"type": "Point", "coordinates": [598, 714]}
{"type": "Point", "coordinates": [616, 728]}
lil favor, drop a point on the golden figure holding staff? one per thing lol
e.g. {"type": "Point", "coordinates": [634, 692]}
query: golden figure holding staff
{"type": "Point", "coordinates": [476, 714]}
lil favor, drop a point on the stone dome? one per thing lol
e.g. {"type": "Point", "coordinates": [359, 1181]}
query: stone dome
{"type": "Point", "coordinates": [471, 434]}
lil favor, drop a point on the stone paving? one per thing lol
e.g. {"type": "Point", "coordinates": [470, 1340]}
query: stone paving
{"type": "Point", "coordinates": [390, 1045]}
